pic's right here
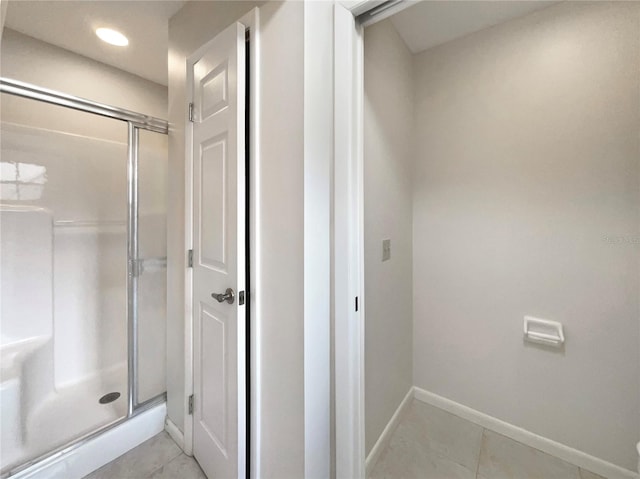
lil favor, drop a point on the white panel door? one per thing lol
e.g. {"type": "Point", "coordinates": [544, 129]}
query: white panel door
{"type": "Point", "coordinates": [219, 436]}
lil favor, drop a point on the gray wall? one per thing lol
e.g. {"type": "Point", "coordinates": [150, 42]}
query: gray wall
{"type": "Point", "coordinates": [526, 201]}
{"type": "Point", "coordinates": [388, 156]}
{"type": "Point", "coordinates": [33, 61]}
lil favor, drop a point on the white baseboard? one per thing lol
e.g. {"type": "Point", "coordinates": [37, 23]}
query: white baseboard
{"type": "Point", "coordinates": [383, 440]}
{"type": "Point", "coordinates": [174, 432]}
{"type": "Point", "coordinates": [566, 453]}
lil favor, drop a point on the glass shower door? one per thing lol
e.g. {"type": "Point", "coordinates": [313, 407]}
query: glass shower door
{"type": "Point", "coordinates": [152, 281]}
{"type": "Point", "coordinates": [63, 270]}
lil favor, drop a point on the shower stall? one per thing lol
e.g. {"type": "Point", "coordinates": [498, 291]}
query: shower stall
{"type": "Point", "coordinates": [82, 270]}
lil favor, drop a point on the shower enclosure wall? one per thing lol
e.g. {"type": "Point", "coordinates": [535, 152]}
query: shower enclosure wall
{"type": "Point", "coordinates": [82, 270]}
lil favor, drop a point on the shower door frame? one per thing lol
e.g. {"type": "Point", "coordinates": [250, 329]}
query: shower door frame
{"type": "Point", "coordinates": [135, 122]}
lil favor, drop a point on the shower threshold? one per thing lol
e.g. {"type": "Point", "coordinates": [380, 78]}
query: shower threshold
{"type": "Point", "coordinates": [49, 459]}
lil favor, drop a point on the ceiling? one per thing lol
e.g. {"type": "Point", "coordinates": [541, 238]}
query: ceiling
{"type": "Point", "coordinates": [426, 24]}
{"type": "Point", "coordinates": [71, 24]}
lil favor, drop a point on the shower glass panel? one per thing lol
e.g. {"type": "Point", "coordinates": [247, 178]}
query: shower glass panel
{"type": "Point", "coordinates": [63, 291]}
{"type": "Point", "coordinates": [152, 247]}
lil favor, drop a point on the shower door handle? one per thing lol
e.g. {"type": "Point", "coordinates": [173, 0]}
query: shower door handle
{"type": "Point", "coordinates": [227, 296]}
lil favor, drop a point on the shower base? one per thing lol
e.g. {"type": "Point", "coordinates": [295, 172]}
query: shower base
{"type": "Point", "coordinates": [88, 455]}
{"type": "Point", "coordinates": [37, 424]}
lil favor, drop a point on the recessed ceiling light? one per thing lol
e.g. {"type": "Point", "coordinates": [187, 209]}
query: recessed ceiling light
{"type": "Point", "coordinates": [112, 36]}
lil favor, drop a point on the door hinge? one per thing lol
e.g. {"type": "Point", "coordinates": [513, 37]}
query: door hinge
{"type": "Point", "coordinates": [191, 112]}
{"type": "Point", "coordinates": [190, 258]}
{"type": "Point", "coordinates": [191, 404]}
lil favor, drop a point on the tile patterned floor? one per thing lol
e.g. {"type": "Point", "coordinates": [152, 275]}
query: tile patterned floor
{"type": "Point", "coordinates": [430, 443]}
{"type": "Point", "coordinates": [157, 458]}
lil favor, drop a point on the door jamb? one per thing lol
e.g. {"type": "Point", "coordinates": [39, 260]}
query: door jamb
{"type": "Point", "coordinates": [348, 233]}
{"type": "Point", "coordinates": [348, 243]}
{"type": "Point", "coordinates": [252, 24]}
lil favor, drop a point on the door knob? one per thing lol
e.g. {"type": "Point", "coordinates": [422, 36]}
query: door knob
{"type": "Point", "coordinates": [227, 296]}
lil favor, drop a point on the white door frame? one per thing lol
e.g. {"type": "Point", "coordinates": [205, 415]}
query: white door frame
{"type": "Point", "coordinates": [348, 280]}
{"type": "Point", "coordinates": [348, 239]}
{"type": "Point", "coordinates": [251, 21]}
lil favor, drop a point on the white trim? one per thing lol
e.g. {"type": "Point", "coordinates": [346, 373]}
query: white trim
{"type": "Point", "coordinates": [347, 247]}
{"type": "Point", "coordinates": [188, 277]}
{"type": "Point", "coordinates": [252, 23]}
{"type": "Point", "coordinates": [566, 453]}
{"type": "Point", "coordinates": [318, 157]}
{"type": "Point", "coordinates": [383, 13]}
{"type": "Point", "coordinates": [100, 450]}
{"type": "Point", "coordinates": [384, 438]}
{"type": "Point", "coordinates": [356, 7]}
{"type": "Point", "coordinates": [174, 432]}
{"type": "Point", "coordinates": [359, 7]}
{"type": "Point", "coordinates": [348, 238]}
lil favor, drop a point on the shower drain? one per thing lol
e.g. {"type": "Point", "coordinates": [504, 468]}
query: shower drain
{"type": "Point", "coordinates": [109, 397]}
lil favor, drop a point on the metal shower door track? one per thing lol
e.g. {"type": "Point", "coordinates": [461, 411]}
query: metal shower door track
{"type": "Point", "coordinates": [27, 90]}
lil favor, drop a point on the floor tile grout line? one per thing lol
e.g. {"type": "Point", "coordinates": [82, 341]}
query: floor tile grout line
{"type": "Point", "coordinates": [462, 419]}
{"type": "Point", "coordinates": [479, 452]}
{"type": "Point", "coordinates": [158, 468]}
{"type": "Point", "coordinates": [165, 464]}
{"type": "Point", "coordinates": [177, 455]}
{"type": "Point", "coordinates": [440, 454]}
{"type": "Point", "coordinates": [446, 455]}
{"type": "Point", "coordinates": [536, 448]}
{"type": "Point", "coordinates": [485, 433]}
{"type": "Point", "coordinates": [436, 452]}
{"type": "Point", "coordinates": [180, 452]}
{"type": "Point", "coordinates": [502, 434]}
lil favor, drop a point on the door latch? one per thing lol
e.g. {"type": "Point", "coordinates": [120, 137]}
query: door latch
{"type": "Point", "coordinates": [227, 296]}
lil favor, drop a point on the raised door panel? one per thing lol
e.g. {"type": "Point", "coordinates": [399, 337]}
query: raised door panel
{"type": "Point", "coordinates": [212, 207]}
{"type": "Point", "coordinates": [213, 344]}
